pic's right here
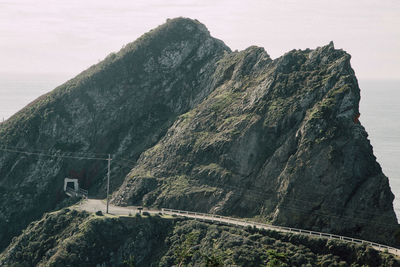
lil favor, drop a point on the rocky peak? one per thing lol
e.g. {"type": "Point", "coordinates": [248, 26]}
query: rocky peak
{"type": "Point", "coordinates": [122, 106]}
{"type": "Point", "coordinates": [204, 129]}
{"type": "Point", "coordinates": [277, 139]}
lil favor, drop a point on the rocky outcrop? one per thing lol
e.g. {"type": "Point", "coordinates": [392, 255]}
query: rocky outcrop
{"type": "Point", "coordinates": [192, 125]}
{"type": "Point", "coordinates": [120, 106]}
{"type": "Point", "coordinates": [278, 139]}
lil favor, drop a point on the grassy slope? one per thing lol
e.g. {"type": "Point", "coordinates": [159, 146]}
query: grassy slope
{"type": "Point", "coordinates": [122, 106]}
{"type": "Point", "coordinates": [72, 238]}
{"type": "Point", "coordinates": [277, 139]}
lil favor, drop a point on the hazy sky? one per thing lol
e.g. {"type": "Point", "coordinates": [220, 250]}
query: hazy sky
{"type": "Point", "coordinates": [69, 36]}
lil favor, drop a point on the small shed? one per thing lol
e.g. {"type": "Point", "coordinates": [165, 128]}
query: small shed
{"type": "Point", "coordinates": [71, 183]}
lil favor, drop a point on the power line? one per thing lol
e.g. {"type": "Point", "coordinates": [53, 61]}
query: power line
{"type": "Point", "coordinates": [215, 185]}
{"type": "Point", "coordinates": [63, 154]}
{"type": "Point", "coordinates": [55, 151]}
{"type": "Point", "coordinates": [50, 155]}
{"type": "Point", "coordinates": [71, 157]}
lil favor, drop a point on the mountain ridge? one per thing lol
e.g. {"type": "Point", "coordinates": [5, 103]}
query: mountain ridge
{"type": "Point", "coordinates": [204, 160]}
{"type": "Point", "coordinates": [121, 105]}
{"type": "Point", "coordinates": [209, 130]}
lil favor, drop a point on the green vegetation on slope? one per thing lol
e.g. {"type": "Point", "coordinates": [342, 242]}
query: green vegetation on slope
{"type": "Point", "coordinates": [121, 106]}
{"type": "Point", "coordinates": [278, 140]}
{"type": "Point", "coordinates": [72, 238]}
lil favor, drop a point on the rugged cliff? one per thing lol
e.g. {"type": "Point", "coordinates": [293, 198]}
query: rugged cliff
{"type": "Point", "coordinates": [121, 106]}
{"type": "Point", "coordinates": [192, 125]}
{"type": "Point", "coordinates": [278, 139]}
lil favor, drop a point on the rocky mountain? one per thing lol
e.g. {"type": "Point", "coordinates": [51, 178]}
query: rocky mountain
{"type": "Point", "coordinates": [73, 238]}
{"type": "Point", "coordinates": [192, 125]}
{"type": "Point", "coordinates": [278, 139]}
{"type": "Point", "coordinates": [122, 106]}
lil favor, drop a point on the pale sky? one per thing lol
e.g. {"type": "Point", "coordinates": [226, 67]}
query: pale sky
{"type": "Point", "coordinates": [51, 36]}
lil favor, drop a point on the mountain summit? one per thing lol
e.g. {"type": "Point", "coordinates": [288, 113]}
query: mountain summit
{"type": "Point", "coordinates": [203, 129]}
{"type": "Point", "coordinates": [121, 106]}
{"type": "Point", "coordinates": [277, 139]}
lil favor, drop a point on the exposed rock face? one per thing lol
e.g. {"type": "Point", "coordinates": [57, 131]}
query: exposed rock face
{"type": "Point", "coordinates": [209, 130]}
{"type": "Point", "coordinates": [277, 139]}
{"type": "Point", "coordinates": [121, 106]}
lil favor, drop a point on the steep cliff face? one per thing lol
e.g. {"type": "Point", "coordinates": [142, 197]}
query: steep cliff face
{"type": "Point", "coordinates": [278, 139]}
{"type": "Point", "coordinates": [203, 129]}
{"type": "Point", "coordinates": [121, 106]}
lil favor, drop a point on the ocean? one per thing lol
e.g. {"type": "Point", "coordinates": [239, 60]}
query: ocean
{"type": "Point", "coordinates": [378, 107]}
{"type": "Point", "coordinates": [18, 90]}
{"type": "Point", "coordinates": [380, 112]}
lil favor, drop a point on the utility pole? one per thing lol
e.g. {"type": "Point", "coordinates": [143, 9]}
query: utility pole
{"type": "Point", "coordinates": [108, 180]}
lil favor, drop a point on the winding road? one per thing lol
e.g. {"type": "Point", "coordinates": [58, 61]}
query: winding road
{"type": "Point", "coordinates": [93, 205]}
